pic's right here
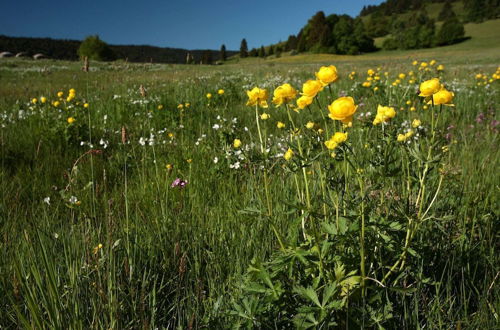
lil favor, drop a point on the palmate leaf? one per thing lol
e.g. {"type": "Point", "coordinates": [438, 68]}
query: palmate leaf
{"type": "Point", "coordinates": [308, 294]}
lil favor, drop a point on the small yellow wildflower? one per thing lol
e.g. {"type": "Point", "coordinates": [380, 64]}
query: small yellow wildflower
{"type": "Point", "coordinates": [237, 143]}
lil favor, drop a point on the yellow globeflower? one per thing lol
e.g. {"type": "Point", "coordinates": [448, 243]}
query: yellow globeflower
{"type": "Point", "coordinates": [414, 63]}
{"type": "Point", "coordinates": [288, 154]}
{"type": "Point", "coordinates": [265, 116]}
{"type": "Point", "coordinates": [339, 137]}
{"type": "Point", "coordinates": [237, 143]}
{"type": "Point", "coordinates": [220, 92]}
{"type": "Point", "coordinates": [342, 109]}
{"type": "Point", "coordinates": [43, 99]}
{"type": "Point", "coordinates": [60, 94]}
{"type": "Point", "coordinates": [55, 103]}
{"type": "Point", "coordinates": [442, 97]}
{"type": "Point", "coordinates": [284, 94]}
{"type": "Point", "coordinates": [160, 106]}
{"type": "Point", "coordinates": [311, 88]}
{"type": "Point", "coordinates": [423, 64]}
{"type": "Point", "coordinates": [280, 124]}
{"type": "Point", "coordinates": [402, 76]}
{"type": "Point", "coordinates": [416, 123]}
{"type": "Point", "coordinates": [430, 87]}
{"type": "Point", "coordinates": [401, 138]}
{"type": "Point", "coordinates": [384, 114]}
{"type": "Point", "coordinates": [440, 67]}
{"type": "Point", "coordinates": [366, 84]}
{"type": "Point", "coordinates": [71, 120]}
{"type": "Point", "coordinates": [257, 96]}
{"type": "Point", "coordinates": [209, 96]}
{"type": "Point", "coordinates": [34, 100]}
{"type": "Point", "coordinates": [330, 144]}
{"type": "Point", "coordinates": [86, 105]}
{"type": "Point", "coordinates": [72, 91]}
{"type": "Point", "coordinates": [304, 101]}
{"type": "Point", "coordinates": [370, 72]}
{"type": "Point", "coordinates": [327, 74]}
{"type": "Point", "coordinates": [431, 63]}
{"type": "Point", "coordinates": [310, 125]}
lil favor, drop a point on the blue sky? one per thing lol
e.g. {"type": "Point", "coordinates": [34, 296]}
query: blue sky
{"type": "Point", "coordinates": [181, 23]}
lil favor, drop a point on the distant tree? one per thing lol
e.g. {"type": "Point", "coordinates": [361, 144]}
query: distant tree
{"type": "Point", "coordinates": [223, 55]}
{"type": "Point", "coordinates": [206, 57]}
{"type": "Point", "coordinates": [270, 50]}
{"type": "Point", "coordinates": [253, 52]}
{"type": "Point", "coordinates": [450, 32]}
{"type": "Point", "coordinates": [446, 12]}
{"type": "Point", "coordinates": [278, 50]}
{"type": "Point", "coordinates": [95, 49]}
{"type": "Point", "coordinates": [291, 43]}
{"type": "Point", "coordinates": [262, 52]}
{"type": "Point", "coordinates": [243, 48]}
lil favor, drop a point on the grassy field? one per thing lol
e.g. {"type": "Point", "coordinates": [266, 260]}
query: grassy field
{"type": "Point", "coordinates": [174, 205]}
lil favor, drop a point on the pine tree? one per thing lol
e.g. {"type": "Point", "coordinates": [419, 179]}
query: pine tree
{"type": "Point", "coordinates": [446, 12]}
{"type": "Point", "coordinates": [223, 55]}
{"type": "Point", "coordinates": [243, 48]}
{"type": "Point", "coordinates": [262, 52]}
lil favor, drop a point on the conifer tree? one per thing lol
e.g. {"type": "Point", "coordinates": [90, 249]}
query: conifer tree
{"type": "Point", "coordinates": [243, 48]}
{"type": "Point", "coordinates": [223, 55]}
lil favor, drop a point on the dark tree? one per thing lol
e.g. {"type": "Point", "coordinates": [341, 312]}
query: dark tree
{"type": "Point", "coordinates": [262, 52]}
{"type": "Point", "coordinates": [223, 55]}
{"type": "Point", "coordinates": [450, 32]}
{"type": "Point", "coordinates": [446, 12]}
{"type": "Point", "coordinates": [206, 57]}
{"type": "Point", "coordinates": [243, 48]}
{"type": "Point", "coordinates": [253, 52]}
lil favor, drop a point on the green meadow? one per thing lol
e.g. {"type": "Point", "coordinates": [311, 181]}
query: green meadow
{"type": "Point", "coordinates": [153, 196]}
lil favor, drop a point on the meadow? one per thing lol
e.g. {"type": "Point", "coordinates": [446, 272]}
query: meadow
{"type": "Point", "coordinates": [168, 196]}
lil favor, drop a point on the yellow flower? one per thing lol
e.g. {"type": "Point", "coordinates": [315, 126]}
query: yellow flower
{"type": "Point", "coordinates": [416, 123]}
{"type": "Point", "coordinates": [402, 76]}
{"type": "Point", "coordinates": [408, 102]}
{"type": "Point", "coordinates": [339, 137]}
{"type": "Point", "coordinates": [327, 74]}
{"type": "Point", "coordinates": [284, 94]}
{"type": "Point", "coordinates": [442, 97]}
{"type": "Point", "coordinates": [440, 67]}
{"type": "Point", "coordinates": [304, 101]}
{"type": "Point", "coordinates": [401, 138]}
{"type": "Point", "coordinates": [55, 103]}
{"type": "Point", "coordinates": [159, 106]}
{"type": "Point", "coordinates": [209, 96]}
{"type": "Point", "coordinates": [370, 72]}
{"type": "Point", "coordinates": [265, 116]}
{"type": "Point", "coordinates": [288, 154]}
{"type": "Point", "coordinates": [366, 84]}
{"type": "Point", "coordinates": [342, 109]}
{"type": "Point", "coordinates": [187, 105]}
{"type": "Point", "coordinates": [189, 160]}
{"type": "Point", "coordinates": [71, 120]}
{"type": "Point", "coordinates": [414, 63]}
{"type": "Point", "coordinates": [72, 91]}
{"type": "Point", "coordinates": [409, 134]}
{"type": "Point", "coordinates": [86, 105]}
{"type": "Point", "coordinates": [169, 167]}
{"type": "Point", "coordinates": [310, 125]}
{"type": "Point", "coordinates": [330, 144]}
{"type": "Point", "coordinates": [237, 143]}
{"type": "Point", "coordinates": [43, 99]}
{"type": "Point", "coordinates": [257, 96]}
{"type": "Point", "coordinates": [280, 124]}
{"type": "Point", "coordinates": [413, 108]}
{"type": "Point", "coordinates": [384, 114]}
{"type": "Point", "coordinates": [311, 88]}
{"type": "Point", "coordinates": [60, 94]}
{"type": "Point", "coordinates": [375, 88]}
{"type": "Point", "coordinates": [170, 135]}
{"type": "Point", "coordinates": [180, 106]}
{"type": "Point", "coordinates": [430, 87]}
{"type": "Point", "coordinates": [220, 92]}
{"type": "Point", "coordinates": [34, 100]}
{"type": "Point", "coordinates": [423, 64]}
{"type": "Point", "coordinates": [431, 63]}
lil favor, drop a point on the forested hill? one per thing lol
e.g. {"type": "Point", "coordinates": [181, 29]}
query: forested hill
{"type": "Point", "coordinates": [68, 50]}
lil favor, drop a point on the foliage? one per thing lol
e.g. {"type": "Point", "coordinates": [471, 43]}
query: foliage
{"type": "Point", "coordinates": [243, 48]}
{"type": "Point", "coordinates": [450, 32]}
{"type": "Point", "coordinates": [95, 49]}
{"type": "Point", "coordinates": [223, 54]}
